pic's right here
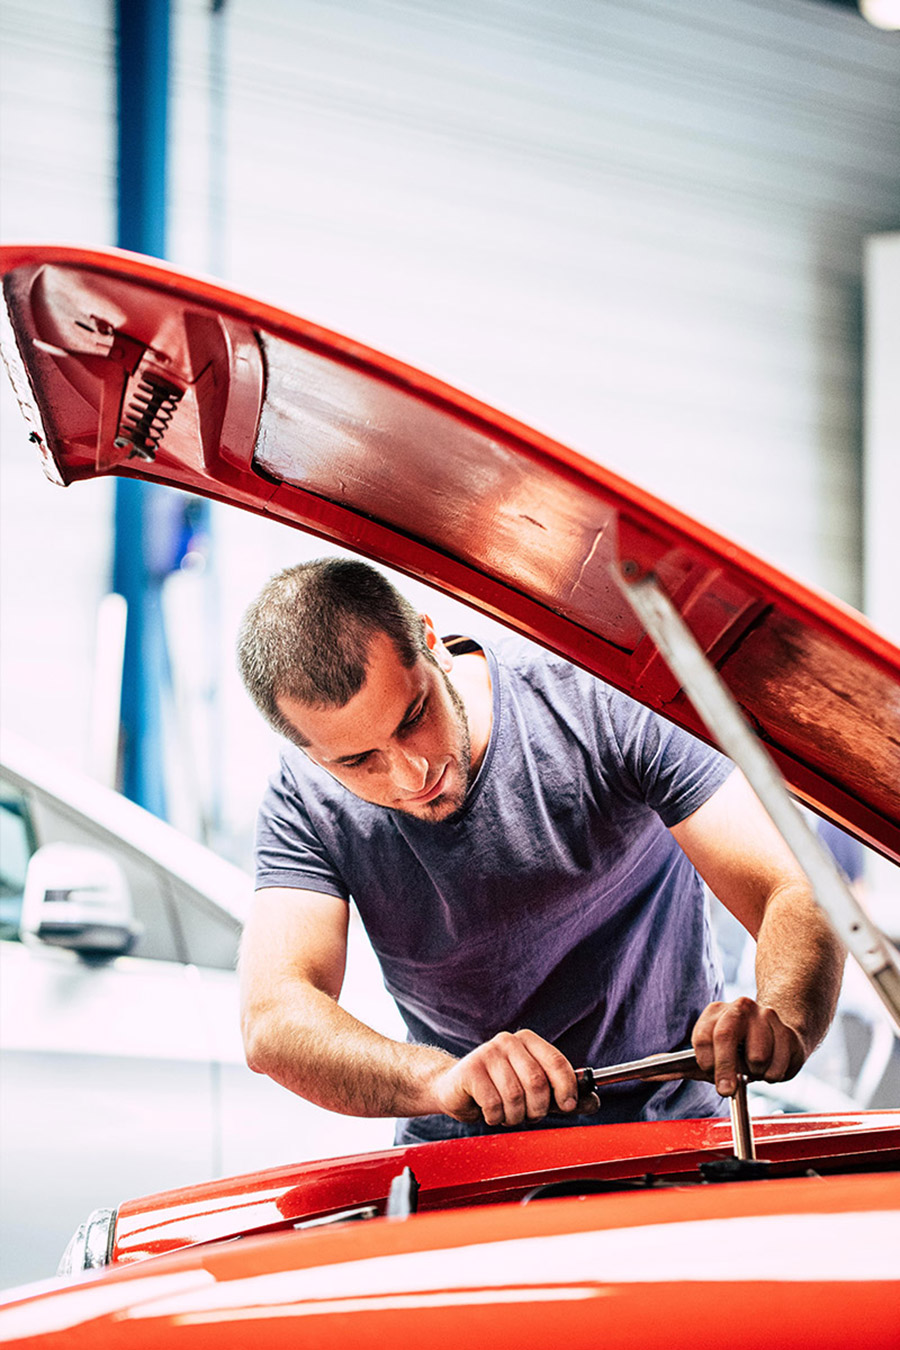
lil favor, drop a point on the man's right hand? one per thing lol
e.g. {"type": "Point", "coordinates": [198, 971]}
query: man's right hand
{"type": "Point", "coordinates": [513, 1077]}
{"type": "Point", "coordinates": [292, 966]}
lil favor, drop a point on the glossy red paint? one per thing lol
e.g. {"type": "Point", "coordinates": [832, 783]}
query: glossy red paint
{"type": "Point", "coordinates": [485, 1171]}
{"type": "Point", "coordinates": [284, 418]}
{"type": "Point", "coordinates": [785, 1263]}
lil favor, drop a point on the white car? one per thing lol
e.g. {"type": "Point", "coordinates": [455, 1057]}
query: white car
{"type": "Point", "coordinates": [122, 1070]}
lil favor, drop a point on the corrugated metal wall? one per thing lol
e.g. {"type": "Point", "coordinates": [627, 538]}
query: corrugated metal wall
{"type": "Point", "coordinates": [57, 182]}
{"type": "Point", "coordinates": [637, 225]}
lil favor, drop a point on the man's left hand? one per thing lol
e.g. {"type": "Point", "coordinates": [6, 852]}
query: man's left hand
{"type": "Point", "coordinates": [746, 1036]}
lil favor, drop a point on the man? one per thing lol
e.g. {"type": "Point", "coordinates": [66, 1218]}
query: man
{"type": "Point", "coordinates": [523, 844]}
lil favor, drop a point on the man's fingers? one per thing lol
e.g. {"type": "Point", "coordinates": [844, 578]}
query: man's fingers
{"type": "Point", "coordinates": [510, 1079]}
{"type": "Point", "coordinates": [744, 1037]}
{"type": "Point", "coordinates": [779, 1066]}
{"type": "Point", "coordinates": [759, 1043]}
{"type": "Point", "coordinates": [534, 1082]}
{"type": "Point", "coordinates": [718, 1041]}
{"type": "Point", "coordinates": [517, 1078]}
{"type": "Point", "coordinates": [702, 1036]}
{"type": "Point", "coordinates": [559, 1073]}
{"type": "Point", "coordinates": [786, 1056]}
{"type": "Point", "coordinates": [529, 1072]}
{"type": "Point", "coordinates": [483, 1098]}
{"type": "Point", "coordinates": [728, 1037]}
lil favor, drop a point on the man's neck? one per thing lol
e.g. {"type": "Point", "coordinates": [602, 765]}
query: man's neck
{"type": "Point", "coordinates": [472, 677]}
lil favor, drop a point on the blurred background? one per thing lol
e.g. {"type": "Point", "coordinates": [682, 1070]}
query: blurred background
{"type": "Point", "coordinates": [667, 234]}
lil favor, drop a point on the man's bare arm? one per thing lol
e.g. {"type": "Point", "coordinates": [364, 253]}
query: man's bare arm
{"type": "Point", "coordinates": [799, 960]}
{"type": "Point", "coordinates": [292, 967]}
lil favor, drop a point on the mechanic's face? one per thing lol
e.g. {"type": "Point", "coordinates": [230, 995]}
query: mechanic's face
{"type": "Point", "coordinates": [402, 741]}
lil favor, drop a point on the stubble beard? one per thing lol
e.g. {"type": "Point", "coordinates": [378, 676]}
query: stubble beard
{"type": "Point", "coordinates": [449, 805]}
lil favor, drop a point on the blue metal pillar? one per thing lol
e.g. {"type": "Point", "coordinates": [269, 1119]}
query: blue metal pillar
{"type": "Point", "coordinates": [142, 52]}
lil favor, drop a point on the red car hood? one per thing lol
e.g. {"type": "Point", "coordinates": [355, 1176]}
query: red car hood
{"type": "Point", "coordinates": [126, 367]}
{"type": "Point", "coordinates": [788, 1263]}
{"type": "Point", "coordinates": [488, 1170]}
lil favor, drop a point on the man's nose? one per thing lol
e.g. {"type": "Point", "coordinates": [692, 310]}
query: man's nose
{"type": "Point", "coordinates": [409, 771]}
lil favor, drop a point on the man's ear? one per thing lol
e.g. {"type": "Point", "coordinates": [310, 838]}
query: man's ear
{"type": "Point", "coordinates": [435, 646]}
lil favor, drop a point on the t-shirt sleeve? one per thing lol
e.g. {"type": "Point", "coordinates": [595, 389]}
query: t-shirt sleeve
{"type": "Point", "coordinates": [289, 851]}
{"type": "Point", "coordinates": [665, 766]}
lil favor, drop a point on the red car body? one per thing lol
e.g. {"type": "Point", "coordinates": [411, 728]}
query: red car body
{"type": "Point", "coordinates": [797, 1261]}
{"type": "Point", "coordinates": [126, 367]}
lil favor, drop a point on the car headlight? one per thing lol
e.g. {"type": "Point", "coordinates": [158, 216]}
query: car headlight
{"type": "Point", "coordinates": [91, 1244]}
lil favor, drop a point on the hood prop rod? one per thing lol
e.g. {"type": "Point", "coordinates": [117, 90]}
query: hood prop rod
{"type": "Point", "coordinates": [722, 716]}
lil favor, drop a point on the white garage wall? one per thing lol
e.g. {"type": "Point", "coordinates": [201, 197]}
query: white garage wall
{"type": "Point", "coordinates": [882, 434]}
{"type": "Point", "coordinates": [637, 226]}
{"type": "Point", "coordinates": [57, 183]}
{"type": "Point", "coordinates": [881, 481]}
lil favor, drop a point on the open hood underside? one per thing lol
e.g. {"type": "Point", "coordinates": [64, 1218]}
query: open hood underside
{"type": "Point", "coordinates": [125, 367]}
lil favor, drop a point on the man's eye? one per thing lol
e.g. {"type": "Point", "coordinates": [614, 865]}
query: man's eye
{"type": "Point", "coordinates": [416, 718]}
{"type": "Point", "coordinates": [356, 763]}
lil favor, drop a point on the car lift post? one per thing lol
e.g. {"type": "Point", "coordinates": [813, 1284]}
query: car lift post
{"type": "Point", "coordinates": [142, 67]}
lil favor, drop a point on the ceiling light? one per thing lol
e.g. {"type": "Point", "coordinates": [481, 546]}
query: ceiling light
{"type": "Point", "coordinates": [881, 13]}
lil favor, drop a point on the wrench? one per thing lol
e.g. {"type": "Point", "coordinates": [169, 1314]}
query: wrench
{"type": "Point", "coordinates": [661, 1069]}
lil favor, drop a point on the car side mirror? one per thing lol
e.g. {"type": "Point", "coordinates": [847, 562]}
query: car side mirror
{"type": "Point", "coordinates": [78, 898]}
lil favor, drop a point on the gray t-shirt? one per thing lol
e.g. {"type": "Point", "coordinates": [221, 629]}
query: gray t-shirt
{"type": "Point", "coordinates": [556, 899]}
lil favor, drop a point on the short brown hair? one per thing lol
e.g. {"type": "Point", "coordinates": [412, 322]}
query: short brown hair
{"type": "Point", "coordinates": [307, 635]}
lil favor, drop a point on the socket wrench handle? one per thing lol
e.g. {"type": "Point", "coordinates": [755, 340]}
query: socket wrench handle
{"type": "Point", "coordinates": [661, 1069]}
